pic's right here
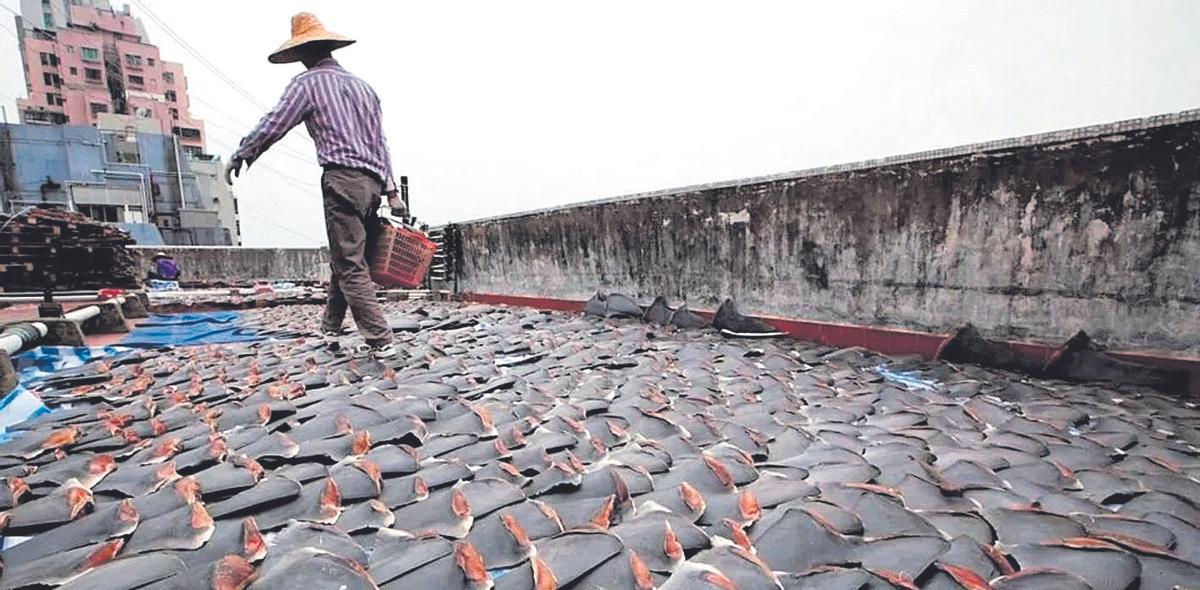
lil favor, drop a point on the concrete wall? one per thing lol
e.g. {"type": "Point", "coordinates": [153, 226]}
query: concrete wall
{"type": "Point", "coordinates": [228, 266]}
{"type": "Point", "coordinates": [1029, 238]}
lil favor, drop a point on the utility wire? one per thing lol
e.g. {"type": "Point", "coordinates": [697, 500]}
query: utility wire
{"type": "Point", "coordinates": [292, 152]}
{"type": "Point", "coordinates": [269, 221]}
{"type": "Point", "coordinates": [305, 186]}
{"type": "Point", "coordinates": [212, 67]}
{"type": "Point", "coordinates": [277, 148]}
{"type": "Point", "coordinates": [220, 74]}
{"type": "Point", "coordinates": [203, 60]}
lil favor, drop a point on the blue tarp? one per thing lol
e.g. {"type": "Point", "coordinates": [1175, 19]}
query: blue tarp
{"type": "Point", "coordinates": [36, 365]}
{"type": "Point", "coordinates": [33, 367]}
{"type": "Point", "coordinates": [190, 329]}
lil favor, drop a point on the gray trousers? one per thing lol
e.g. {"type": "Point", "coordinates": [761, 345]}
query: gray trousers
{"type": "Point", "coordinates": [351, 197]}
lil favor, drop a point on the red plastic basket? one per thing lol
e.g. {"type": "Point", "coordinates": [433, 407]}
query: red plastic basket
{"type": "Point", "coordinates": [401, 257]}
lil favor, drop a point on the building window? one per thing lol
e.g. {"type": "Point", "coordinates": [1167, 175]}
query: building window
{"type": "Point", "coordinates": [133, 60]}
{"type": "Point", "coordinates": [92, 75]}
{"type": "Point", "coordinates": [137, 80]}
{"type": "Point", "coordinates": [171, 96]}
{"type": "Point", "coordinates": [89, 53]}
{"type": "Point", "coordinates": [168, 77]}
{"type": "Point", "coordinates": [48, 78]}
{"type": "Point", "coordinates": [49, 59]}
{"type": "Point", "coordinates": [48, 20]}
{"type": "Point", "coordinates": [109, 213]}
{"type": "Point", "coordinates": [150, 61]}
{"type": "Point", "coordinates": [175, 113]}
{"type": "Point", "coordinates": [187, 132]}
{"type": "Point", "coordinates": [74, 72]}
{"type": "Point", "coordinates": [99, 107]}
{"type": "Point", "coordinates": [46, 117]}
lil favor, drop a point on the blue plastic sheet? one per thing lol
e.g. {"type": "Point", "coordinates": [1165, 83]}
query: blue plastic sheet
{"type": "Point", "coordinates": [33, 367]}
{"type": "Point", "coordinates": [190, 329]}
{"type": "Point", "coordinates": [187, 329]}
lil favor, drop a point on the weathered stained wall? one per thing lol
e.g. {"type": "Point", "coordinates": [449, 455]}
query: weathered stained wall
{"type": "Point", "coordinates": [1031, 238]}
{"type": "Point", "coordinates": [213, 265]}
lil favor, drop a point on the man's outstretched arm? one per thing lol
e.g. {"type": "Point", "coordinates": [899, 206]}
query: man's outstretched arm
{"type": "Point", "coordinates": [291, 110]}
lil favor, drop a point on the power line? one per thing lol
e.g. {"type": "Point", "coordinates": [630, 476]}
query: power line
{"type": "Point", "coordinates": [190, 49]}
{"type": "Point", "coordinates": [307, 142]}
{"type": "Point", "coordinates": [203, 60]}
{"type": "Point", "coordinates": [278, 146]}
{"type": "Point", "coordinates": [218, 72]}
{"type": "Point", "coordinates": [307, 187]}
{"type": "Point", "coordinates": [285, 228]}
{"type": "Point", "coordinates": [279, 149]}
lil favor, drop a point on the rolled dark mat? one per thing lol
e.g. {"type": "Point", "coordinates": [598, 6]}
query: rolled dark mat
{"type": "Point", "coordinates": [732, 323]}
{"type": "Point", "coordinates": [967, 345]}
{"type": "Point", "coordinates": [1078, 359]}
{"type": "Point", "coordinates": [622, 306]}
{"type": "Point", "coordinates": [658, 312]}
{"type": "Point", "coordinates": [1082, 359]}
{"type": "Point", "coordinates": [596, 305]}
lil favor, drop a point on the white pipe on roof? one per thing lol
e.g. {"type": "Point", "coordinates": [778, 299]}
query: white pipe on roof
{"type": "Point", "coordinates": [83, 314]}
{"type": "Point", "coordinates": [12, 343]}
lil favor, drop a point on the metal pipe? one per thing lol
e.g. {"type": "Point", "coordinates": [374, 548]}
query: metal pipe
{"type": "Point", "coordinates": [88, 292]}
{"type": "Point", "coordinates": [38, 298]}
{"type": "Point", "coordinates": [179, 169]}
{"type": "Point", "coordinates": [147, 196]}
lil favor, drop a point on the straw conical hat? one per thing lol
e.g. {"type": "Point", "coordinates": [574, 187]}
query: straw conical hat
{"type": "Point", "coordinates": [306, 29]}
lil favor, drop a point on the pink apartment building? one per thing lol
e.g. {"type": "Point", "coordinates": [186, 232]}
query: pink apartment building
{"type": "Point", "coordinates": [84, 59]}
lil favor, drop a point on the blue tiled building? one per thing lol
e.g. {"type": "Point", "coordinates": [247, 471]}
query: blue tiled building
{"type": "Point", "coordinates": [127, 177]}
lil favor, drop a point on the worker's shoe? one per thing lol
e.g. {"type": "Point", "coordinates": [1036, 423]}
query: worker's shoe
{"type": "Point", "coordinates": [380, 352]}
{"type": "Point", "coordinates": [386, 352]}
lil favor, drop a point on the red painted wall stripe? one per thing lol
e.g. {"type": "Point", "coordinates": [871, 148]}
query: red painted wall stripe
{"type": "Point", "coordinates": [885, 340]}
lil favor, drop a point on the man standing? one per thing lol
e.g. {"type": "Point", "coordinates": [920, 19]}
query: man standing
{"type": "Point", "coordinates": [342, 115]}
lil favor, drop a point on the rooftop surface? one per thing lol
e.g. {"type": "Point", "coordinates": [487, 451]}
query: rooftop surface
{"type": "Point", "coordinates": [527, 449]}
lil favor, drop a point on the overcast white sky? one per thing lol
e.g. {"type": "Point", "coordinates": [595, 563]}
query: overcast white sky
{"type": "Point", "coordinates": [498, 107]}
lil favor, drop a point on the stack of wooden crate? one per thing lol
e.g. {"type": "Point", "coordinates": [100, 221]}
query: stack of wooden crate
{"type": "Point", "coordinates": [63, 249]}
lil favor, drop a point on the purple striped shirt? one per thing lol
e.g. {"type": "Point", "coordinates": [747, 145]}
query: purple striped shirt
{"type": "Point", "coordinates": [341, 113]}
